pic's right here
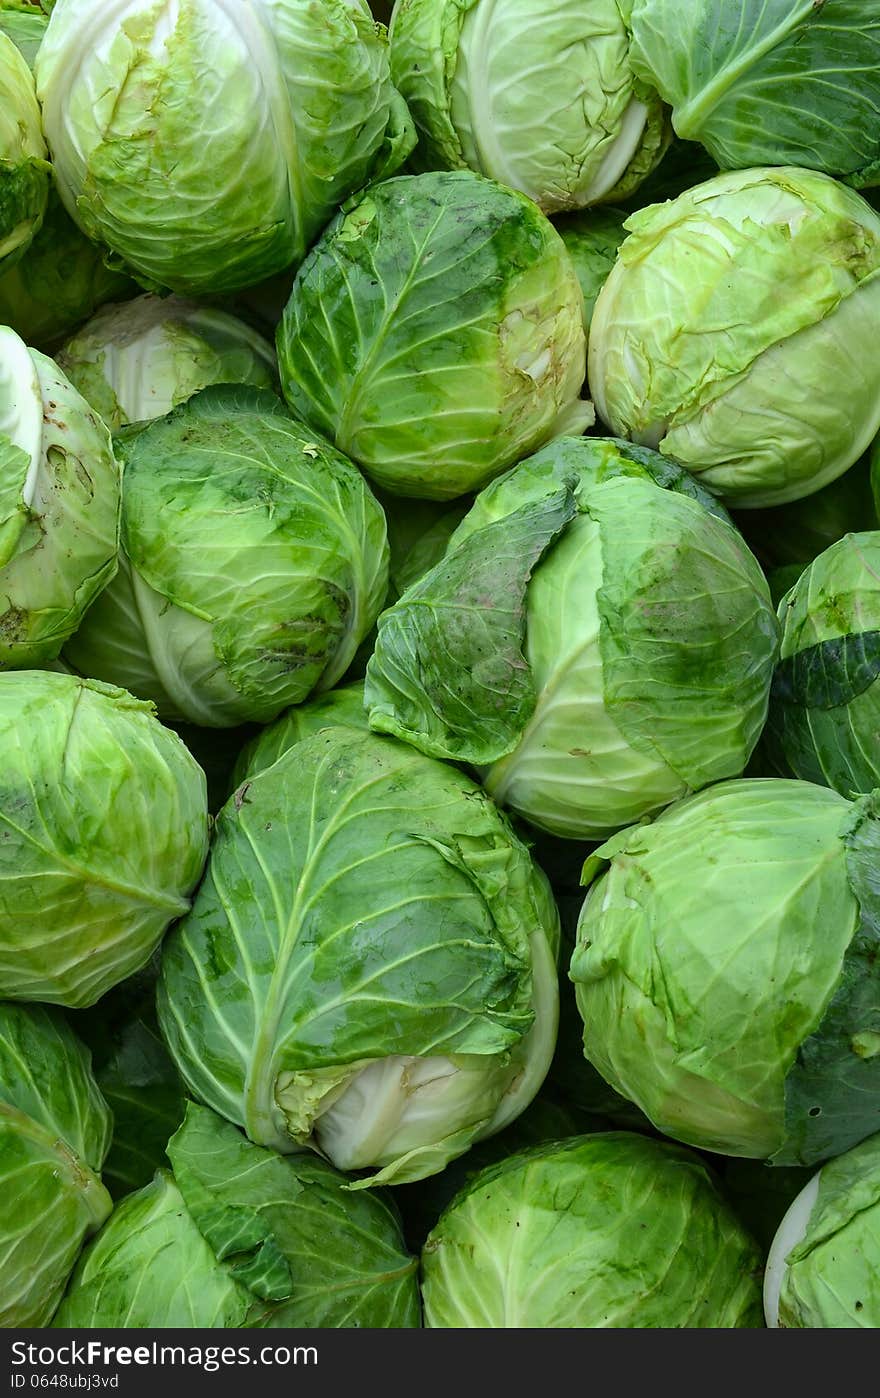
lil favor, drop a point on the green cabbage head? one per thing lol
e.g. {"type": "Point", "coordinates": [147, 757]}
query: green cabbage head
{"type": "Point", "coordinates": [369, 967]}
{"type": "Point", "coordinates": [767, 82]}
{"type": "Point", "coordinates": [54, 1134]}
{"type": "Point", "coordinates": [823, 1269]}
{"type": "Point", "coordinates": [103, 835]}
{"type": "Point", "coordinates": [537, 94]}
{"type": "Point", "coordinates": [237, 1237]}
{"type": "Point", "coordinates": [254, 562]}
{"type": "Point", "coordinates": [60, 500]}
{"type": "Point", "coordinates": [207, 144]}
{"type": "Point", "coordinates": [598, 640]}
{"type": "Point", "coordinates": [736, 333]}
{"type": "Point", "coordinates": [608, 1231]}
{"type": "Point", "coordinates": [435, 334]}
{"type": "Point", "coordinates": [825, 700]}
{"type": "Point", "coordinates": [138, 360]}
{"type": "Point", "coordinates": [727, 969]}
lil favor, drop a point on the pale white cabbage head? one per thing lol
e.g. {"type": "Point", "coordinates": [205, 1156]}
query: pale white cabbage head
{"type": "Point", "coordinates": [208, 141]}
{"type": "Point", "coordinates": [736, 333]}
{"type": "Point", "coordinates": [537, 94]}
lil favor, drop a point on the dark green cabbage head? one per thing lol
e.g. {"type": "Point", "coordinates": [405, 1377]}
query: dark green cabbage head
{"type": "Point", "coordinates": [435, 334]}
{"type": "Point", "coordinates": [825, 700]}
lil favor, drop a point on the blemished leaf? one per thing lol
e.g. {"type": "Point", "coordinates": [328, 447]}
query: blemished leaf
{"type": "Point", "coordinates": [832, 1092]}
{"type": "Point", "coordinates": [435, 334]}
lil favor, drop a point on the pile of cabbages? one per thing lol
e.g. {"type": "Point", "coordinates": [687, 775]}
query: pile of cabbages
{"type": "Point", "coordinates": [440, 650]}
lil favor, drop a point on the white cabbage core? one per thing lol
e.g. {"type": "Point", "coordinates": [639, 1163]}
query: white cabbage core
{"type": "Point", "coordinates": [405, 1103]}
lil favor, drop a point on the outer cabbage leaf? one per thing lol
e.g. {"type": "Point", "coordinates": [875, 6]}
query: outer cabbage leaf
{"type": "Point", "coordinates": [825, 701]}
{"type": "Point", "coordinates": [832, 1091]}
{"type": "Point", "coordinates": [240, 1237]}
{"type": "Point", "coordinates": [25, 26]}
{"type": "Point", "coordinates": [688, 637]}
{"type": "Point", "coordinates": [418, 536]}
{"type": "Point", "coordinates": [151, 1231]}
{"type": "Point", "coordinates": [336, 1257]}
{"type": "Point", "coordinates": [448, 673]}
{"type": "Point", "coordinates": [772, 82]}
